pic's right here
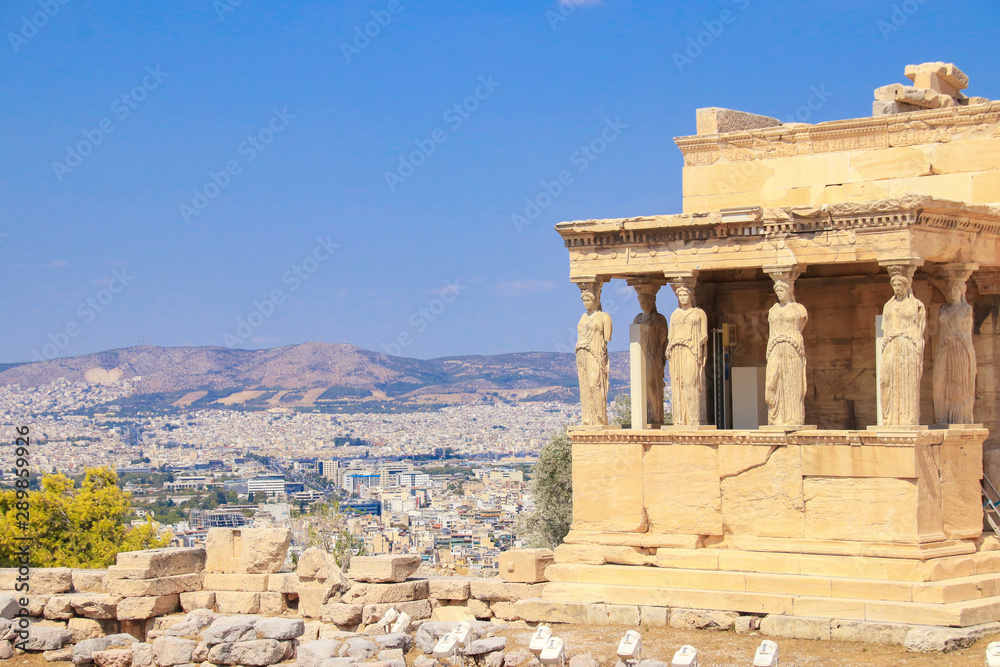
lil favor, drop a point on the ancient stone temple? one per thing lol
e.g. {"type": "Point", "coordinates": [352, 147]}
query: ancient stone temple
{"type": "Point", "coordinates": [832, 367]}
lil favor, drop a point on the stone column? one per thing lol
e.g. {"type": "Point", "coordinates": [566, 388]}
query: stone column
{"type": "Point", "coordinates": [785, 383]}
{"type": "Point", "coordinates": [647, 355]}
{"type": "Point", "coordinates": [954, 354]}
{"type": "Point", "coordinates": [686, 350]}
{"type": "Point", "coordinates": [593, 334]}
{"type": "Point", "coordinates": [901, 367]}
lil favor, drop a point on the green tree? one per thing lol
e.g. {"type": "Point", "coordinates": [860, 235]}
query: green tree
{"type": "Point", "coordinates": [552, 490]}
{"type": "Point", "coordinates": [328, 530]}
{"type": "Point", "coordinates": [73, 527]}
{"type": "Point", "coordinates": [621, 410]}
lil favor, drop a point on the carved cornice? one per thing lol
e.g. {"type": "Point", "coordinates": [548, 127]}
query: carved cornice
{"type": "Point", "coordinates": [882, 436]}
{"type": "Point", "coordinates": [914, 212]}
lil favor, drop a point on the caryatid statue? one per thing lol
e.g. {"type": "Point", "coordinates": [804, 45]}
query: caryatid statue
{"type": "Point", "coordinates": [904, 319]}
{"type": "Point", "coordinates": [592, 367]}
{"type": "Point", "coordinates": [785, 376]}
{"type": "Point", "coordinates": [686, 348]}
{"type": "Point", "coordinates": [954, 355]}
{"type": "Point", "coordinates": [655, 349]}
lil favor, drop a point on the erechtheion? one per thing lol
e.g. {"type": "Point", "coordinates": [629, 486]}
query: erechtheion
{"type": "Point", "coordinates": [833, 367]}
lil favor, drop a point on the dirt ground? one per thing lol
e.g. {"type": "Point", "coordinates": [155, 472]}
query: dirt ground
{"type": "Point", "coordinates": [715, 649]}
{"type": "Point", "coordinates": [728, 649]}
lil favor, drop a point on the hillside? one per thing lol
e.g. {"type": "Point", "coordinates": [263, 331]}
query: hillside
{"type": "Point", "coordinates": [320, 370]}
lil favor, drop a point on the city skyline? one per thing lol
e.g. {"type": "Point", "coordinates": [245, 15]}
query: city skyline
{"type": "Point", "coordinates": [379, 172]}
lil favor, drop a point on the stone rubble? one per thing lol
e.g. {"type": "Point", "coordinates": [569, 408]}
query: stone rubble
{"type": "Point", "coordinates": [348, 621]}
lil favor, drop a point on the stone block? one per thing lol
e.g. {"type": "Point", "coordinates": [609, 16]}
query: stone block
{"type": "Point", "coordinates": [312, 654]}
{"type": "Point", "coordinates": [197, 600]}
{"type": "Point", "coordinates": [230, 629]}
{"type": "Point", "coordinates": [386, 593]}
{"type": "Point", "coordinates": [712, 120]}
{"type": "Point", "coordinates": [341, 614]}
{"type": "Point", "coordinates": [133, 609]}
{"type": "Point", "coordinates": [237, 602]}
{"type": "Point", "coordinates": [725, 178]}
{"type": "Point", "coordinates": [88, 581]}
{"type": "Point", "coordinates": [795, 627]}
{"type": "Point", "coordinates": [702, 619]}
{"type": "Point", "coordinates": [544, 611]}
{"type": "Point", "coordinates": [142, 654]}
{"type": "Point", "coordinates": [498, 590]}
{"type": "Point", "coordinates": [311, 599]}
{"type": "Point", "coordinates": [762, 497]}
{"type": "Point", "coordinates": [448, 589]}
{"type": "Point", "coordinates": [451, 614]}
{"type": "Point", "coordinates": [7, 650]}
{"type": "Point", "coordinates": [316, 563]}
{"type": "Point", "coordinates": [133, 588]}
{"type": "Point", "coordinates": [50, 580]}
{"type": "Point", "coordinates": [525, 565]}
{"type": "Point", "coordinates": [246, 550]}
{"type": "Point", "coordinates": [283, 582]}
{"type": "Point", "coordinates": [257, 653]}
{"type": "Point", "coordinates": [169, 651]}
{"type": "Point", "coordinates": [245, 583]}
{"type": "Point", "coordinates": [383, 569]}
{"type": "Point", "coordinates": [486, 645]}
{"type": "Point", "coordinates": [680, 488]}
{"type": "Point", "coordinates": [597, 468]}
{"type": "Point", "coordinates": [58, 608]}
{"type": "Point", "coordinates": [480, 609]}
{"type": "Point", "coordinates": [156, 563]}
{"type": "Point", "coordinates": [115, 657]}
{"type": "Point", "coordinates": [94, 605]}
{"type": "Point", "coordinates": [504, 611]}
{"type": "Point", "coordinates": [9, 605]}
{"type": "Point", "coordinates": [862, 508]}
{"type": "Point", "coordinates": [653, 617]}
{"type": "Point", "coordinates": [868, 633]}
{"type": "Point", "coordinates": [926, 639]}
{"type": "Point", "coordinates": [83, 652]}
{"type": "Point", "coordinates": [88, 628]}
{"type": "Point", "coordinates": [623, 614]}
{"type": "Point", "coordinates": [47, 637]}
{"type": "Point", "coordinates": [272, 604]}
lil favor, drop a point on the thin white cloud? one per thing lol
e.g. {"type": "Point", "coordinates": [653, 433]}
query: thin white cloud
{"type": "Point", "coordinates": [579, 3]}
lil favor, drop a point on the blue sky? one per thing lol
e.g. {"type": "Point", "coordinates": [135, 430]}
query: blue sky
{"type": "Point", "coordinates": [174, 169]}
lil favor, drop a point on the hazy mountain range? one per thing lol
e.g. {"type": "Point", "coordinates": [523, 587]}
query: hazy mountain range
{"type": "Point", "coordinates": [324, 371]}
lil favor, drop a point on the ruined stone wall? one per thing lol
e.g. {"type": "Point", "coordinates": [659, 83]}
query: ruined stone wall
{"type": "Point", "coordinates": [948, 153]}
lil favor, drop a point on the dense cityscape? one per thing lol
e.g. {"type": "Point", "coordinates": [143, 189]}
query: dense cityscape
{"type": "Point", "coordinates": [448, 484]}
